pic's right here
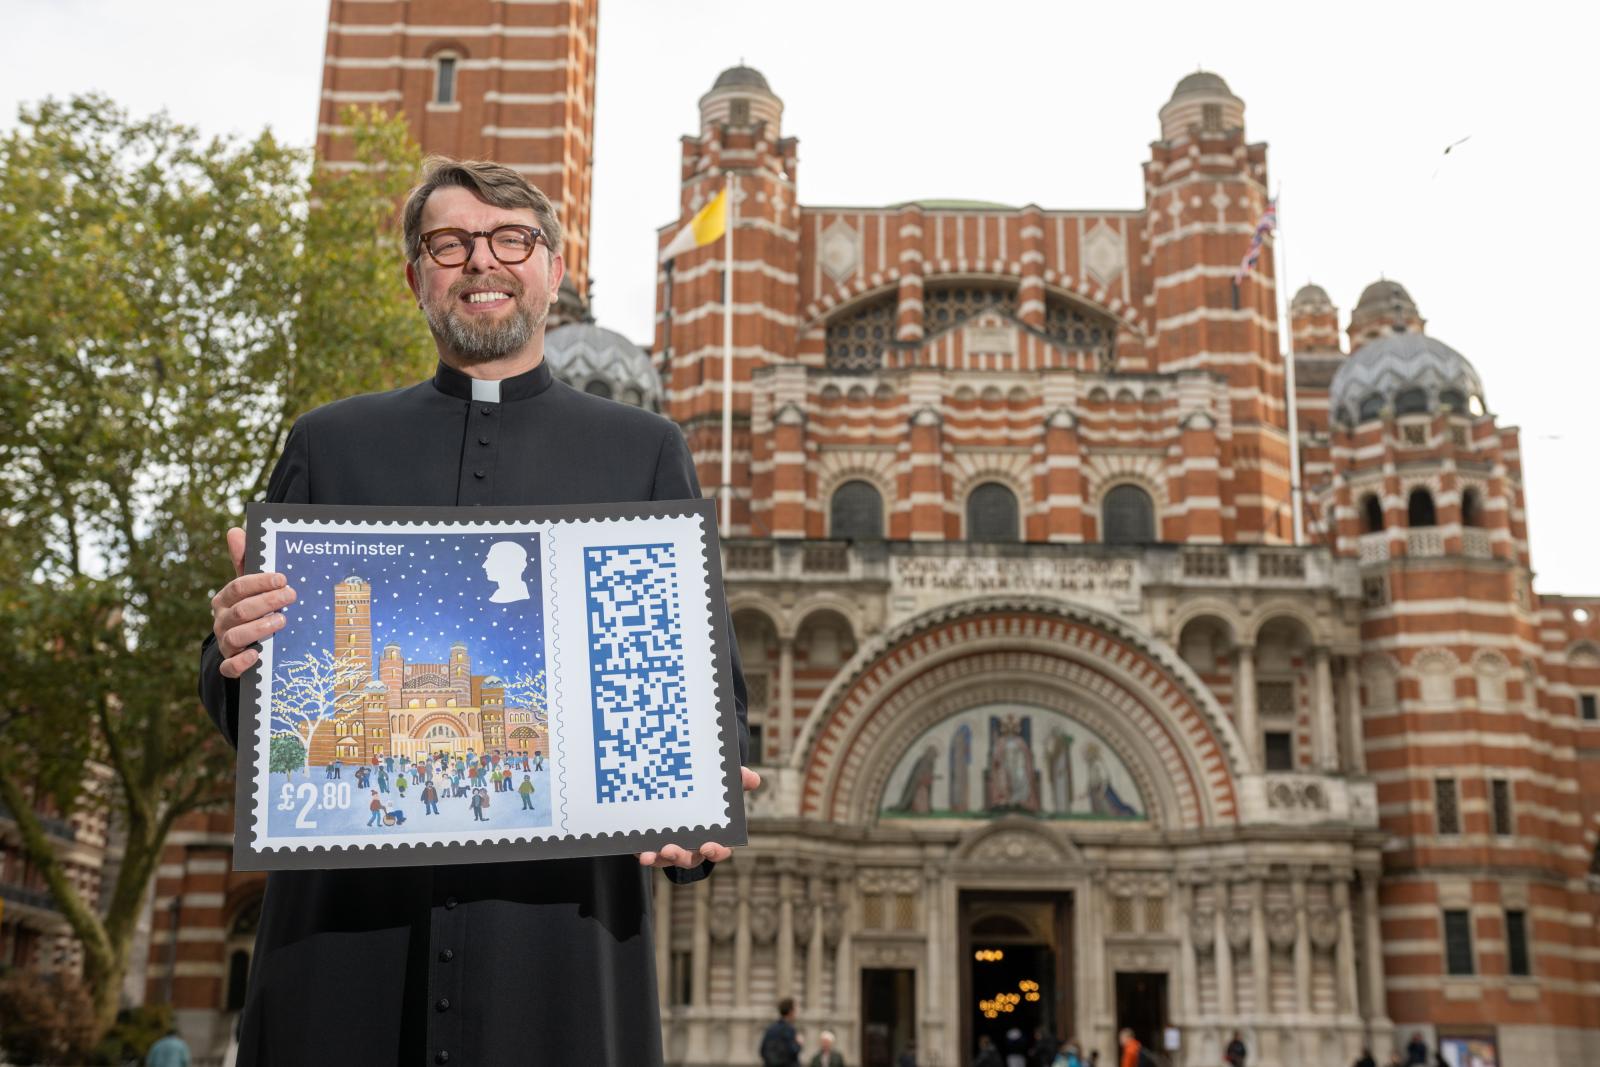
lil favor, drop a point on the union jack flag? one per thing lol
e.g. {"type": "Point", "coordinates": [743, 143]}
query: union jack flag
{"type": "Point", "coordinates": [1265, 225]}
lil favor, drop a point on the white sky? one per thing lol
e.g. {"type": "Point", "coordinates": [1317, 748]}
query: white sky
{"type": "Point", "coordinates": [1055, 104]}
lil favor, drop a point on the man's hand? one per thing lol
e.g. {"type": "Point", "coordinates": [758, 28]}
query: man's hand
{"type": "Point", "coordinates": [247, 610]}
{"type": "Point", "coordinates": [678, 856]}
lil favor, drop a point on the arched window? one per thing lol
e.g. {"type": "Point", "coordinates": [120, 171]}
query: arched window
{"type": "Point", "coordinates": [1471, 508]}
{"type": "Point", "coordinates": [856, 512]}
{"type": "Point", "coordinates": [444, 78]}
{"type": "Point", "coordinates": [1410, 402]}
{"type": "Point", "coordinates": [1371, 513]}
{"type": "Point", "coordinates": [598, 388]}
{"type": "Point", "coordinates": [1419, 508]}
{"type": "Point", "coordinates": [1371, 408]}
{"type": "Point", "coordinates": [238, 976]}
{"type": "Point", "coordinates": [1454, 401]}
{"type": "Point", "coordinates": [992, 513]}
{"type": "Point", "coordinates": [1127, 516]}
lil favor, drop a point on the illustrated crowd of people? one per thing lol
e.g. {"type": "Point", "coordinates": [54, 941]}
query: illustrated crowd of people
{"type": "Point", "coordinates": [450, 776]}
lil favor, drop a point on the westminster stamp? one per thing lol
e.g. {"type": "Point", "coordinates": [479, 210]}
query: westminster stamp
{"type": "Point", "coordinates": [459, 685]}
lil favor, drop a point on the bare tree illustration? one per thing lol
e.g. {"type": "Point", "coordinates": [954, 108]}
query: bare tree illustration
{"type": "Point", "coordinates": [307, 692]}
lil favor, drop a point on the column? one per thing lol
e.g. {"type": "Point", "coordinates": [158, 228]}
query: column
{"type": "Point", "coordinates": [785, 934]}
{"type": "Point", "coordinates": [1260, 948]}
{"type": "Point", "coordinates": [938, 972]}
{"type": "Point", "coordinates": [1188, 963]}
{"type": "Point", "coordinates": [661, 891]}
{"type": "Point", "coordinates": [1226, 1006]}
{"type": "Point", "coordinates": [1345, 953]}
{"type": "Point", "coordinates": [1302, 951]}
{"type": "Point", "coordinates": [1355, 740]}
{"type": "Point", "coordinates": [700, 964]}
{"type": "Point", "coordinates": [1244, 700]}
{"type": "Point", "coordinates": [785, 695]}
{"type": "Point", "coordinates": [814, 946]}
{"type": "Point", "coordinates": [848, 900]}
{"type": "Point", "coordinates": [1325, 737]}
{"type": "Point", "coordinates": [1377, 999]}
{"type": "Point", "coordinates": [908, 310]}
{"type": "Point", "coordinates": [744, 875]}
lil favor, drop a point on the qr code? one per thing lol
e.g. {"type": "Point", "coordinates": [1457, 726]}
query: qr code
{"type": "Point", "coordinates": [641, 724]}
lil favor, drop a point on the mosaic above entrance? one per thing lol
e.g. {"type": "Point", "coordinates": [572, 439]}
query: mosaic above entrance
{"type": "Point", "coordinates": [1000, 760]}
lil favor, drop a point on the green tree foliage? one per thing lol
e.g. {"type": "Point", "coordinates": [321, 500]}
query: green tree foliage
{"type": "Point", "coordinates": [286, 754]}
{"type": "Point", "coordinates": [171, 304]}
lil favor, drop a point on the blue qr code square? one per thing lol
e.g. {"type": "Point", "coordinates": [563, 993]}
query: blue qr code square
{"type": "Point", "coordinates": [641, 717]}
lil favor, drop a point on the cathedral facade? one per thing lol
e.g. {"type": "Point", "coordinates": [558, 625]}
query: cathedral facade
{"type": "Point", "coordinates": [1061, 725]}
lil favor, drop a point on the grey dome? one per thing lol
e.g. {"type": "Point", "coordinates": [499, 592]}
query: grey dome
{"type": "Point", "coordinates": [1311, 298]}
{"type": "Point", "coordinates": [741, 77]}
{"type": "Point", "coordinates": [1405, 373]}
{"type": "Point", "coordinates": [1384, 297]}
{"type": "Point", "coordinates": [604, 362]}
{"type": "Point", "coordinates": [1202, 81]}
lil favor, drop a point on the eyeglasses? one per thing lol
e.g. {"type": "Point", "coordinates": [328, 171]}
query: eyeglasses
{"type": "Point", "coordinates": [509, 244]}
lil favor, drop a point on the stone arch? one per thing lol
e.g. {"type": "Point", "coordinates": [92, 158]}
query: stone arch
{"type": "Point", "coordinates": [876, 467]}
{"type": "Point", "coordinates": [1105, 471]}
{"type": "Point", "coordinates": [968, 470]}
{"type": "Point", "coordinates": [1060, 647]}
{"type": "Point", "coordinates": [427, 722]}
{"type": "Point", "coordinates": [1279, 611]}
{"type": "Point", "coordinates": [1205, 652]}
{"type": "Point", "coordinates": [1015, 841]}
{"type": "Point", "coordinates": [1223, 612]}
{"type": "Point", "coordinates": [821, 602]}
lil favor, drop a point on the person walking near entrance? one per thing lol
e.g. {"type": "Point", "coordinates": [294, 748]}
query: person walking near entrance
{"type": "Point", "coordinates": [988, 1055]}
{"type": "Point", "coordinates": [827, 1055]}
{"type": "Point", "coordinates": [1236, 1053]}
{"type": "Point", "coordinates": [1131, 1050]}
{"type": "Point", "coordinates": [780, 1045]}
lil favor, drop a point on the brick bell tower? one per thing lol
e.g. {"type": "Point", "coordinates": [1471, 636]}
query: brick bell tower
{"type": "Point", "coordinates": [740, 135]}
{"type": "Point", "coordinates": [1205, 189]}
{"type": "Point", "coordinates": [477, 79]}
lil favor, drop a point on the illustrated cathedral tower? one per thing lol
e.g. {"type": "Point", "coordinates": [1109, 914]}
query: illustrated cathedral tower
{"type": "Point", "coordinates": [477, 79]}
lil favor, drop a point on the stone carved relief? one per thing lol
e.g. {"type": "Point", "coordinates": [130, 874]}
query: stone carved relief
{"type": "Point", "coordinates": [888, 881]}
{"type": "Point", "coordinates": [832, 925]}
{"type": "Point", "coordinates": [840, 250]}
{"type": "Point", "coordinates": [805, 914]}
{"type": "Point", "coordinates": [1324, 923]}
{"type": "Point", "coordinates": [1280, 927]}
{"type": "Point", "coordinates": [724, 923]}
{"type": "Point", "coordinates": [1290, 794]}
{"type": "Point", "coordinates": [1015, 849]}
{"type": "Point", "coordinates": [1239, 928]}
{"type": "Point", "coordinates": [764, 923]}
{"type": "Point", "coordinates": [889, 955]}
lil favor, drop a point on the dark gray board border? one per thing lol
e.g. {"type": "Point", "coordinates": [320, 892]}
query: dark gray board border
{"type": "Point", "coordinates": [246, 857]}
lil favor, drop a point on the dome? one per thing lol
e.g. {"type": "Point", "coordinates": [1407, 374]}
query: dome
{"type": "Point", "coordinates": [741, 77]}
{"type": "Point", "coordinates": [1406, 373]}
{"type": "Point", "coordinates": [1385, 295]}
{"type": "Point", "coordinates": [1202, 81]}
{"type": "Point", "coordinates": [603, 362]}
{"type": "Point", "coordinates": [1311, 298]}
{"type": "Point", "coordinates": [1384, 308]}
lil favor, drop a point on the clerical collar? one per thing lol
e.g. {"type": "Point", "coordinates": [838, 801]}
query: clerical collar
{"type": "Point", "coordinates": [452, 382]}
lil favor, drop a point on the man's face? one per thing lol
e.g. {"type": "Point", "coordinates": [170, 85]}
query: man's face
{"type": "Point", "coordinates": [484, 310]}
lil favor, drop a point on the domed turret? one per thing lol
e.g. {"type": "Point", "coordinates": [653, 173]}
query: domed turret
{"type": "Point", "coordinates": [1315, 322]}
{"type": "Point", "coordinates": [1202, 101]}
{"type": "Point", "coordinates": [603, 362]}
{"type": "Point", "coordinates": [1407, 373]}
{"type": "Point", "coordinates": [741, 97]}
{"type": "Point", "coordinates": [1385, 307]}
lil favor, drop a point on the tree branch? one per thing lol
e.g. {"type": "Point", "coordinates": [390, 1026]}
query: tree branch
{"type": "Point", "coordinates": [36, 843]}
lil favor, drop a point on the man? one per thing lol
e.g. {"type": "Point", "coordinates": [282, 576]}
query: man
{"type": "Point", "coordinates": [1130, 1049]}
{"type": "Point", "coordinates": [170, 1051]}
{"type": "Point", "coordinates": [1416, 1050]}
{"type": "Point", "coordinates": [827, 1055]}
{"type": "Point", "coordinates": [435, 944]}
{"type": "Point", "coordinates": [1236, 1052]}
{"type": "Point", "coordinates": [780, 1045]}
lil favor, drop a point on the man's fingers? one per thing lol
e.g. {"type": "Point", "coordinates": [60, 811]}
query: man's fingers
{"type": "Point", "coordinates": [240, 637]}
{"type": "Point", "coordinates": [246, 586]}
{"type": "Point", "coordinates": [714, 852]}
{"type": "Point", "coordinates": [236, 549]}
{"type": "Point", "coordinates": [647, 859]}
{"type": "Point", "coordinates": [752, 780]}
{"type": "Point", "coordinates": [235, 666]}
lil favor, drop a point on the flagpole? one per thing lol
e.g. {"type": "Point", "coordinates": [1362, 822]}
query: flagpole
{"type": "Point", "coordinates": [1279, 269]}
{"type": "Point", "coordinates": [727, 358]}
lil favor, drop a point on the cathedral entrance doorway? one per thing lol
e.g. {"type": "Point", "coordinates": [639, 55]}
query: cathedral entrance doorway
{"type": "Point", "coordinates": [1015, 967]}
{"type": "Point", "coordinates": [888, 1014]}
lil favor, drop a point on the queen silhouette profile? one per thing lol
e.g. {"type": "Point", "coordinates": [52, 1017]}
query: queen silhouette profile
{"type": "Point", "coordinates": [504, 566]}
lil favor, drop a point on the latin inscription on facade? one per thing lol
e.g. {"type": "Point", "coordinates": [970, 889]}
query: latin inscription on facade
{"type": "Point", "coordinates": [920, 583]}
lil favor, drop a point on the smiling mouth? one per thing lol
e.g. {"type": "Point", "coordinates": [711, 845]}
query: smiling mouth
{"type": "Point", "coordinates": [485, 296]}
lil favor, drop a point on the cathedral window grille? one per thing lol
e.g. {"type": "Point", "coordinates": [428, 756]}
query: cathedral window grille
{"type": "Point", "coordinates": [872, 911]}
{"type": "Point", "coordinates": [1275, 698]}
{"type": "Point", "coordinates": [1072, 328]}
{"type": "Point", "coordinates": [1127, 516]}
{"type": "Point", "coordinates": [1211, 116]}
{"type": "Point", "coordinates": [856, 512]}
{"type": "Point", "coordinates": [1155, 914]}
{"type": "Point", "coordinates": [1458, 941]}
{"type": "Point", "coordinates": [739, 112]}
{"type": "Point", "coordinates": [905, 911]}
{"type": "Point", "coordinates": [1122, 915]}
{"type": "Point", "coordinates": [992, 513]}
{"type": "Point", "coordinates": [1375, 591]}
{"type": "Point", "coordinates": [856, 339]}
{"type": "Point", "coordinates": [1278, 748]}
{"type": "Point", "coordinates": [1458, 436]}
{"type": "Point", "coordinates": [945, 306]}
{"type": "Point", "coordinates": [1414, 434]}
{"type": "Point", "coordinates": [1517, 963]}
{"type": "Point", "coordinates": [1446, 808]}
{"type": "Point", "coordinates": [1419, 508]}
{"type": "Point", "coordinates": [1500, 797]}
{"type": "Point", "coordinates": [444, 79]}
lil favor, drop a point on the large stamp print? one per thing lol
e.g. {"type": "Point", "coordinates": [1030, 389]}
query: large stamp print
{"type": "Point", "coordinates": [456, 685]}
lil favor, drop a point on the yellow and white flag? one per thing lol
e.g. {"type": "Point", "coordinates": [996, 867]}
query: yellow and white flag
{"type": "Point", "coordinates": [708, 224]}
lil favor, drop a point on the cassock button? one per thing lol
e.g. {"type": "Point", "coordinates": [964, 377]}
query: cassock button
{"type": "Point", "coordinates": [487, 410]}
{"type": "Point", "coordinates": [445, 955]}
{"type": "Point", "coordinates": [441, 1057]}
{"type": "Point", "coordinates": [483, 440]}
{"type": "Point", "coordinates": [444, 1004]}
{"type": "Point", "coordinates": [477, 474]}
{"type": "Point", "coordinates": [449, 902]}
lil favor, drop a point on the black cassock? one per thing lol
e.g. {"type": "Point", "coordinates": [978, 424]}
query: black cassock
{"type": "Point", "coordinates": [501, 964]}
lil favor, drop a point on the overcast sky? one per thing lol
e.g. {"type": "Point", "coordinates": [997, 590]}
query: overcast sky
{"type": "Point", "coordinates": [1055, 104]}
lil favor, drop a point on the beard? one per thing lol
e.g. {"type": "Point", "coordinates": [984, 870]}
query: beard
{"type": "Point", "coordinates": [479, 338]}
